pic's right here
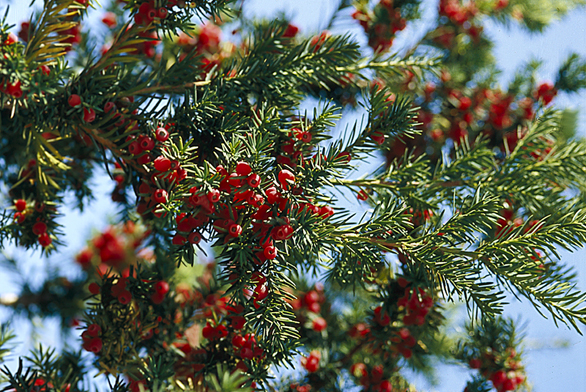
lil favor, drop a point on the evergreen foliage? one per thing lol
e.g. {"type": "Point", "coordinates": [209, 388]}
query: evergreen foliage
{"type": "Point", "coordinates": [211, 153]}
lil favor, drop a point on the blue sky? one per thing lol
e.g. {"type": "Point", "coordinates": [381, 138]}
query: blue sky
{"type": "Point", "coordinates": [549, 367]}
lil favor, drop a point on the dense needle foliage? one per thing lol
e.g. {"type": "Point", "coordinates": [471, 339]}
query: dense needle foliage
{"type": "Point", "coordinates": [194, 111]}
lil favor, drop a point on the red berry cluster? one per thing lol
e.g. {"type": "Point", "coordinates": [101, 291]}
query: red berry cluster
{"type": "Point", "coordinates": [381, 25]}
{"type": "Point", "coordinates": [214, 332]}
{"type": "Point", "coordinates": [294, 148]}
{"type": "Point", "coordinates": [417, 304]}
{"type": "Point", "coordinates": [161, 288]}
{"type": "Point", "coordinates": [223, 329]}
{"type": "Point", "coordinates": [10, 86]}
{"type": "Point", "coordinates": [13, 89]}
{"type": "Point", "coordinates": [311, 362]}
{"type": "Point", "coordinates": [466, 111]}
{"type": "Point", "coordinates": [318, 41]}
{"type": "Point", "coordinates": [506, 374]}
{"type": "Point", "coordinates": [404, 342]}
{"type": "Point", "coordinates": [307, 307]}
{"type": "Point", "coordinates": [240, 201]}
{"type": "Point", "coordinates": [116, 249]}
{"type": "Point", "coordinates": [89, 114]}
{"type": "Point", "coordinates": [299, 388]}
{"type": "Point", "coordinates": [507, 222]}
{"type": "Point", "coordinates": [148, 12]}
{"type": "Point", "coordinates": [546, 92]}
{"type": "Point", "coordinates": [461, 18]}
{"type": "Point", "coordinates": [493, 113]}
{"type": "Point", "coordinates": [394, 328]}
{"type": "Point", "coordinates": [91, 338]}
{"type": "Point", "coordinates": [206, 41]}
{"type": "Point", "coordinates": [41, 385]}
{"type": "Point", "coordinates": [372, 380]}
{"type": "Point", "coordinates": [245, 347]}
{"type": "Point", "coordinates": [36, 215]}
{"type": "Point", "coordinates": [110, 20]}
{"type": "Point", "coordinates": [120, 291]}
{"type": "Point", "coordinates": [121, 116]}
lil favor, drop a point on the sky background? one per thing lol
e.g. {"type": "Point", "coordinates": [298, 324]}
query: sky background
{"type": "Point", "coordinates": [555, 358]}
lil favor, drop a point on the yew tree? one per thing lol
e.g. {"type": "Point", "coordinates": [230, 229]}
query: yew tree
{"type": "Point", "coordinates": [338, 245]}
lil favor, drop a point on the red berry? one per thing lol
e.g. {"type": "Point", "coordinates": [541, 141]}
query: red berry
{"type": "Point", "coordinates": [291, 31]}
{"type": "Point", "coordinates": [298, 133]}
{"type": "Point", "coordinates": [162, 164]}
{"type": "Point", "coordinates": [238, 340]}
{"type": "Point", "coordinates": [109, 106]}
{"type": "Point", "coordinates": [125, 297]}
{"type": "Point", "coordinates": [286, 177]}
{"type": "Point", "coordinates": [178, 239]}
{"type": "Point", "coordinates": [385, 386]}
{"type": "Point", "coordinates": [160, 196]}
{"type": "Point", "coordinates": [162, 134]}
{"type": "Point", "coordinates": [11, 39]}
{"type": "Point", "coordinates": [94, 288]}
{"type": "Point", "coordinates": [311, 363]}
{"type": "Point", "coordinates": [144, 159]}
{"type": "Point", "coordinates": [74, 100]}
{"type": "Point", "coordinates": [89, 115]}
{"type": "Point", "coordinates": [109, 19]}
{"type": "Point", "coordinates": [273, 195]}
{"type": "Point", "coordinates": [20, 205]}
{"type": "Point", "coordinates": [260, 293]}
{"type": "Point", "coordinates": [509, 385]}
{"type": "Point", "coordinates": [344, 155]}
{"type": "Point", "coordinates": [256, 200]}
{"type": "Point", "coordinates": [319, 324]}
{"type": "Point", "coordinates": [270, 252]}
{"type": "Point", "coordinates": [208, 332]}
{"type": "Point", "coordinates": [238, 322]}
{"type": "Point", "coordinates": [162, 13]}
{"type": "Point", "coordinates": [253, 180]}
{"type": "Point", "coordinates": [475, 363]}
{"type": "Point", "coordinates": [134, 148]}
{"type": "Point", "coordinates": [498, 378]}
{"type": "Point", "coordinates": [19, 217]}
{"type": "Point", "coordinates": [235, 180]}
{"type": "Point", "coordinates": [326, 212]}
{"type": "Point", "coordinates": [311, 297]}
{"type": "Point", "coordinates": [378, 137]}
{"type": "Point", "coordinates": [45, 70]}
{"type": "Point", "coordinates": [161, 287]}
{"type": "Point", "coordinates": [213, 196]}
{"type": "Point", "coordinates": [194, 238]}
{"type": "Point", "coordinates": [39, 228]}
{"type": "Point", "coordinates": [465, 103]}
{"type": "Point", "coordinates": [14, 89]}
{"type": "Point", "coordinates": [146, 142]}
{"type": "Point", "coordinates": [235, 230]}
{"type": "Point", "coordinates": [45, 240]}
{"type": "Point", "coordinates": [93, 330]}
{"type": "Point", "coordinates": [157, 298]}
{"type": "Point", "coordinates": [93, 345]}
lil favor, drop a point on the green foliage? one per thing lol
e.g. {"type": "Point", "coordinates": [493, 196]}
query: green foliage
{"type": "Point", "coordinates": [213, 150]}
